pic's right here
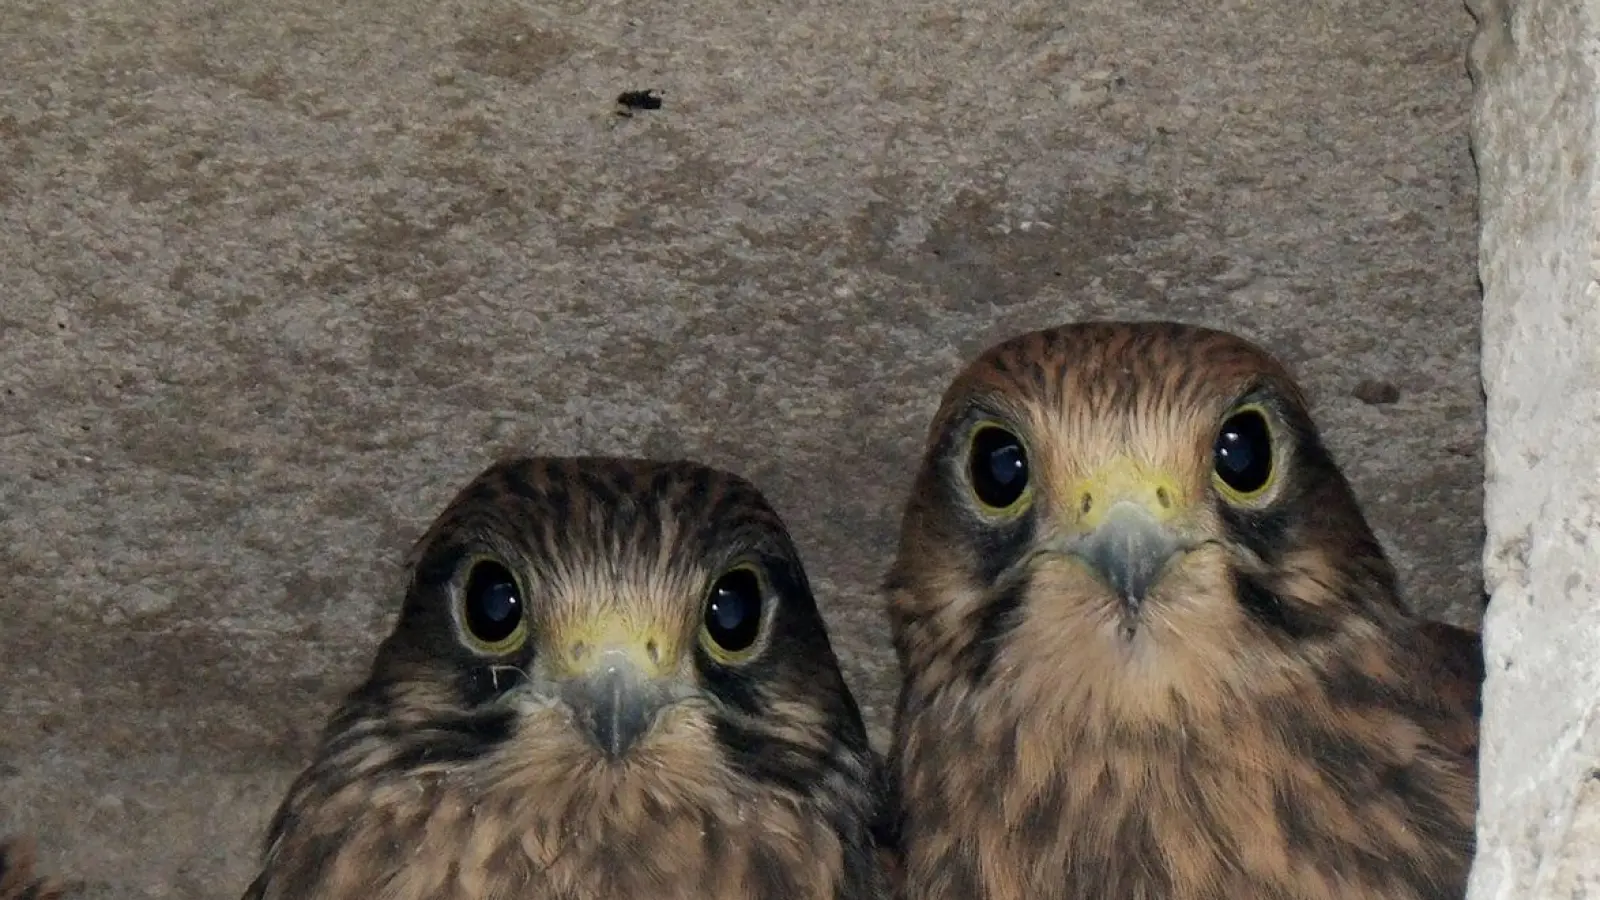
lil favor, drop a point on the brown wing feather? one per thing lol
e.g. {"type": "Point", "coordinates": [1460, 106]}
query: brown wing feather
{"type": "Point", "coordinates": [18, 880]}
{"type": "Point", "coordinates": [1452, 658]}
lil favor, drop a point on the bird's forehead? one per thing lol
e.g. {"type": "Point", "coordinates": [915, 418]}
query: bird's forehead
{"type": "Point", "coordinates": [595, 525]}
{"type": "Point", "coordinates": [1097, 389]}
{"type": "Point", "coordinates": [1117, 373]}
{"type": "Point", "coordinates": [611, 548]}
{"type": "Point", "coordinates": [596, 569]}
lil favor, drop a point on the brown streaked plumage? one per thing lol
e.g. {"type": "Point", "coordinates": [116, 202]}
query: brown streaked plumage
{"type": "Point", "coordinates": [18, 878]}
{"type": "Point", "coordinates": [1153, 651]}
{"type": "Point", "coordinates": [667, 718]}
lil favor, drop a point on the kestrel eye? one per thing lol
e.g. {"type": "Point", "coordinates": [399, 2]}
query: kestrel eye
{"type": "Point", "coordinates": [1242, 456]}
{"type": "Point", "coordinates": [733, 614]}
{"type": "Point", "coordinates": [997, 466]}
{"type": "Point", "coordinates": [492, 609]}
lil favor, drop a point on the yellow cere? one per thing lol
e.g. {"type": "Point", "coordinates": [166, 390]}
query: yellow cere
{"type": "Point", "coordinates": [1157, 491]}
{"type": "Point", "coordinates": [609, 633]}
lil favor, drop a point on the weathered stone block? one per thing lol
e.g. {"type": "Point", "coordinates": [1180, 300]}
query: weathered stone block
{"type": "Point", "coordinates": [1534, 137]}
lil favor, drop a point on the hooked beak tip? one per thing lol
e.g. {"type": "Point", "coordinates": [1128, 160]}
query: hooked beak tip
{"type": "Point", "coordinates": [1129, 551]}
{"type": "Point", "coordinates": [616, 708]}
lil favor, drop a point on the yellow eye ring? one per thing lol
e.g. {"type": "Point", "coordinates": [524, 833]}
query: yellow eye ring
{"type": "Point", "coordinates": [1244, 455]}
{"type": "Point", "coordinates": [491, 608]}
{"type": "Point", "coordinates": [734, 616]}
{"type": "Point", "coordinates": [997, 469]}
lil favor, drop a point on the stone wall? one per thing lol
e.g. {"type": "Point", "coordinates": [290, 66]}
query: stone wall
{"type": "Point", "coordinates": [1534, 138]}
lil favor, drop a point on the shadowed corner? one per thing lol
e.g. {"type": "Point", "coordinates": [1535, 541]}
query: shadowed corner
{"type": "Point", "coordinates": [885, 828]}
{"type": "Point", "coordinates": [18, 880]}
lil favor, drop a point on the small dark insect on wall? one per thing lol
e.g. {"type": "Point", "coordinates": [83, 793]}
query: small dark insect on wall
{"type": "Point", "coordinates": [632, 101]}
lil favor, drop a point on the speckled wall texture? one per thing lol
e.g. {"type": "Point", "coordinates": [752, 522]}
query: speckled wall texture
{"type": "Point", "coordinates": [276, 278]}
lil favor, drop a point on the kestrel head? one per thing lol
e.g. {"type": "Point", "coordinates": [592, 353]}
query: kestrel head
{"type": "Point", "coordinates": [631, 610]}
{"type": "Point", "coordinates": [1151, 647]}
{"type": "Point", "coordinates": [1146, 495]}
{"type": "Point", "coordinates": [609, 678]}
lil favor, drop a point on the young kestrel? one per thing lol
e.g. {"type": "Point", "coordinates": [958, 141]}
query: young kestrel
{"type": "Point", "coordinates": [609, 680]}
{"type": "Point", "coordinates": [1151, 648]}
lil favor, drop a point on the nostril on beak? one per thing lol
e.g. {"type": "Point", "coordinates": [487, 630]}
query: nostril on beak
{"type": "Point", "coordinates": [1128, 550]}
{"type": "Point", "coordinates": [615, 706]}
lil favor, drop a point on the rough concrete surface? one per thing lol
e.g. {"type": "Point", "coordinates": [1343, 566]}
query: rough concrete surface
{"type": "Point", "coordinates": [276, 278]}
{"type": "Point", "coordinates": [1535, 137]}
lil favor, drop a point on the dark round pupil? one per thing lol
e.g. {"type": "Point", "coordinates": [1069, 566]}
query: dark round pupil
{"type": "Point", "coordinates": [1244, 452]}
{"type": "Point", "coordinates": [999, 467]}
{"type": "Point", "coordinates": [493, 606]}
{"type": "Point", "coordinates": [733, 615]}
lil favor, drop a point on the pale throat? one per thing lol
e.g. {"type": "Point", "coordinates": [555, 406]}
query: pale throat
{"type": "Point", "coordinates": [1068, 665]}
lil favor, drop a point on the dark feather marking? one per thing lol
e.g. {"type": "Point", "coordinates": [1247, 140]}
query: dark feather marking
{"type": "Point", "coordinates": [1002, 365]}
{"type": "Point", "coordinates": [1348, 763]}
{"type": "Point", "coordinates": [1278, 614]}
{"type": "Point", "coordinates": [438, 565]}
{"type": "Point", "coordinates": [999, 548]}
{"type": "Point", "coordinates": [314, 857]}
{"type": "Point", "coordinates": [1265, 532]}
{"type": "Point", "coordinates": [863, 871]}
{"type": "Point", "coordinates": [1204, 811]}
{"type": "Point", "coordinates": [733, 687]}
{"type": "Point", "coordinates": [1300, 831]}
{"type": "Point", "coordinates": [711, 502]}
{"type": "Point", "coordinates": [995, 619]}
{"type": "Point", "coordinates": [773, 879]}
{"type": "Point", "coordinates": [886, 823]}
{"type": "Point", "coordinates": [713, 839]}
{"type": "Point", "coordinates": [517, 484]}
{"type": "Point", "coordinates": [662, 484]}
{"type": "Point", "coordinates": [765, 758]}
{"type": "Point", "coordinates": [1454, 657]}
{"type": "Point", "coordinates": [1136, 847]}
{"type": "Point", "coordinates": [1336, 857]}
{"type": "Point", "coordinates": [1416, 787]}
{"type": "Point", "coordinates": [1349, 686]}
{"type": "Point", "coordinates": [958, 873]}
{"type": "Point", "coordinates": [601, 492]}
{"type": "Point", "coordinates": [481, 684]}
{"type": "Point", "coordinates": [453, 740]}
{"type": "Point", "coordinates": [1007, 753]}
{"type": "Point", "coordinates": [1044, 814]}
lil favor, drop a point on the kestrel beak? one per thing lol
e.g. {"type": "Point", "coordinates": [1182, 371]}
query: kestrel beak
{"type": "Point", "coordinates": [1123, 523]}
{"type": "Point", "coordinates": [617, 682]}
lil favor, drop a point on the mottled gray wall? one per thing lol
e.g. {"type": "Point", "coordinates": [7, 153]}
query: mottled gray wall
{"type": "Point", "coordinates": [277, 277]}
